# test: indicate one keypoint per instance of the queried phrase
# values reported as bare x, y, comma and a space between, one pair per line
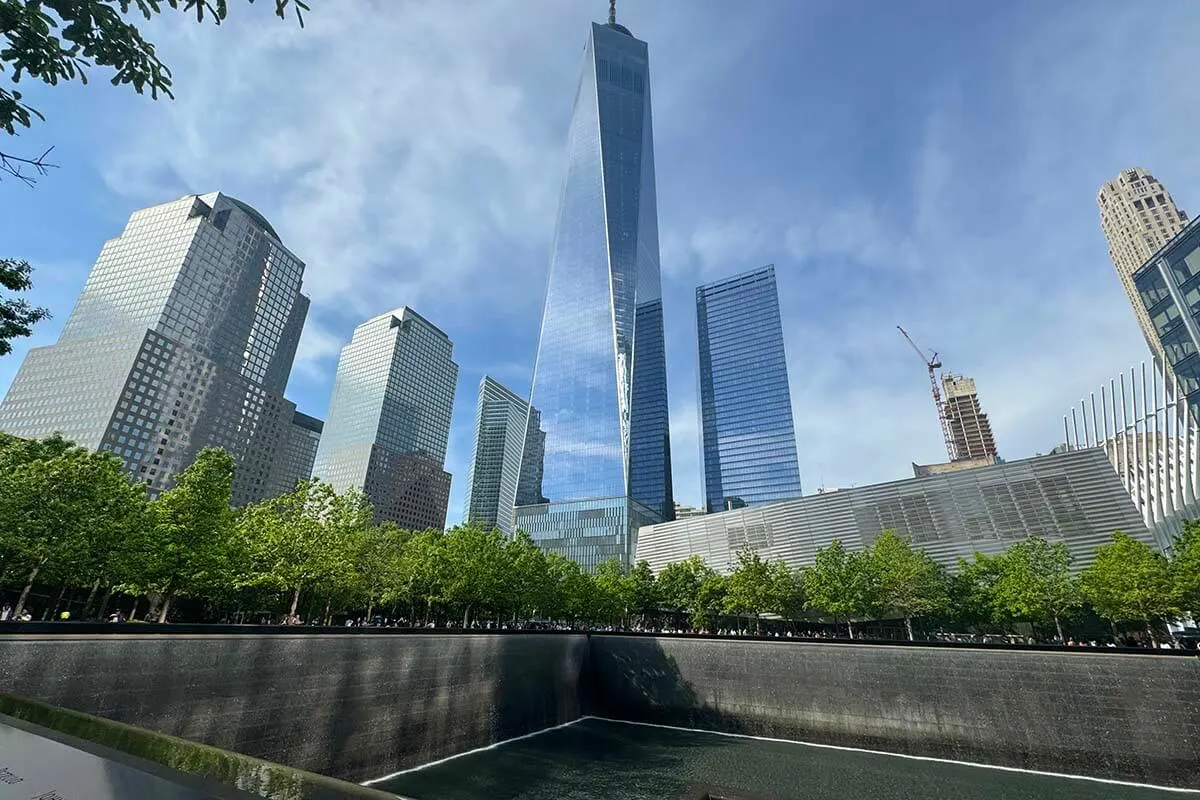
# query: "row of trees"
72, 519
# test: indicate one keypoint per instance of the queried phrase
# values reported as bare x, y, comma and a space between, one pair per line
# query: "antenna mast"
612, 12
932, 363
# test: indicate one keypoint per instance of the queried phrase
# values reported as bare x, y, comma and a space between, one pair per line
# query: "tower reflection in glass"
600, 375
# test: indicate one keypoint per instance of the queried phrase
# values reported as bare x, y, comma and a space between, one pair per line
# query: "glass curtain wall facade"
747, 433
1168, 285
504, 427
600, 374
388, 423
183, 338
298, 453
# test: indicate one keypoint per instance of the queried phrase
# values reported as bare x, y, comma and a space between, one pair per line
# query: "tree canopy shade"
1034, 582
17, 316
1185, 567
903, 580
1130, 582
838, 584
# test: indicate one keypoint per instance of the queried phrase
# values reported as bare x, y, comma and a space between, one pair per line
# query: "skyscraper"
600, 375
1138, 216
297, 453
183, 338
969, 426
747, 433
389, 419
505, 427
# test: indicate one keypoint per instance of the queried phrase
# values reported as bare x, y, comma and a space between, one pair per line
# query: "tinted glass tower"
600, 376
389, 419
748, 438
1168, 285
507, 436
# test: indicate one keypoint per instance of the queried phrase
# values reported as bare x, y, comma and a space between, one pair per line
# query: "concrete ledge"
273, 781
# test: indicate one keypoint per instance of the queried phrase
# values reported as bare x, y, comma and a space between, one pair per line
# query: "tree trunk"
1058, 624
328, 619
466, 615
850, 626
133, 611
908, 627
104, 603
87, 605
370, 608
154, 599
757, 625
295, 601
166, 606
25, 592
58, 601
1153, 635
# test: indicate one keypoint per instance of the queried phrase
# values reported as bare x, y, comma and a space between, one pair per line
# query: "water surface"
602, 759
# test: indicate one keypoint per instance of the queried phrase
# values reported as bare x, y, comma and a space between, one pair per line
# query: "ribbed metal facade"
1074, 497
1143, 423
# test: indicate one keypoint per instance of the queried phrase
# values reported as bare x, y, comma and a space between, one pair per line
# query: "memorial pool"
595, 758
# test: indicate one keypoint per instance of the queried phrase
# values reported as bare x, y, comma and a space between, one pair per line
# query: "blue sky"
928, 164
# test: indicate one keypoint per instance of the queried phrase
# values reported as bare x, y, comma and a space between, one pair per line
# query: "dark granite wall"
350, 706
1124, 716
362, 705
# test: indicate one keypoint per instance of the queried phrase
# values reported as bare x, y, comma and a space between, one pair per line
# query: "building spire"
612, 12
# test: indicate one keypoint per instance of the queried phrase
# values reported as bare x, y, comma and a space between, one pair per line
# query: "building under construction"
970, 430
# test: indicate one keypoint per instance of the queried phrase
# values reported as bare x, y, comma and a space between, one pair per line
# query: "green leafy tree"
58, 512
679, 584
57, 41
971, 591
749, 589
1185, 567
377, 561
787, 591
418, 579
17, 316
305, 539
1035, 583
474, 567
642, 590
906, 581
838, 583
573, 594
710, 600
1129, 581
614, 596
528, 590
193, 525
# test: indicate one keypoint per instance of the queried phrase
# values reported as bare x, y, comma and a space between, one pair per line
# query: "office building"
600, 375
1072, 497
1168, 286
746, 431
683, 512
388, 423
1138, 217
297, 453
504, 427
1144, 425
969, 427
182, 339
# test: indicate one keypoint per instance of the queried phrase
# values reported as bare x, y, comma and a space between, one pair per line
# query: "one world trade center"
600, 376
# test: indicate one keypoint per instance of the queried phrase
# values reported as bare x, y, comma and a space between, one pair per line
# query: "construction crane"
933, 363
